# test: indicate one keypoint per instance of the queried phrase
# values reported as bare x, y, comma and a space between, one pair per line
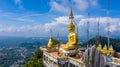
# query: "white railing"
115, 61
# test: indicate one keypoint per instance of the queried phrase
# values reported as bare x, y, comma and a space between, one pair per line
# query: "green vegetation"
103, 40
36, 60
55, 42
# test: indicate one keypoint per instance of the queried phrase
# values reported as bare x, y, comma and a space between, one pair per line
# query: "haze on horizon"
34, 18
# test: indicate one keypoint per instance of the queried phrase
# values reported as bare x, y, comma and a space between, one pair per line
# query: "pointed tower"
104, 50
99, 47
71, 14
111, 50
50, 43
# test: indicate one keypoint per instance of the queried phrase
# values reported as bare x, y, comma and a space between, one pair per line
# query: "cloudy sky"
35, 18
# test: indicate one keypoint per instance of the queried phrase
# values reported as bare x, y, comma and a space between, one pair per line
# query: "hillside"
36, 60
103, 40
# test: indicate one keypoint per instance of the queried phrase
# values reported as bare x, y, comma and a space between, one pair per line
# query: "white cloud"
19, 4
81, 4
58, 7
94, 2
113, 28
60, 25
78, 5
17, 1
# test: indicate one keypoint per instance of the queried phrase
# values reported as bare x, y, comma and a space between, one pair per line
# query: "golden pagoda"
111, 50
104, 50
50, 43
99, 47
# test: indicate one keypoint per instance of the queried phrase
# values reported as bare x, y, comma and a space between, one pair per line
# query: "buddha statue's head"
71, 27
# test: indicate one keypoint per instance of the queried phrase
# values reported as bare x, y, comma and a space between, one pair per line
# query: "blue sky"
34, 18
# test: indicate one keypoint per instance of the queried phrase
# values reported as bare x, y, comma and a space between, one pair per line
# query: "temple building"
64, 55
56, 54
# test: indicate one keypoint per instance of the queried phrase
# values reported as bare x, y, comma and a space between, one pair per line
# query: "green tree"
36, 60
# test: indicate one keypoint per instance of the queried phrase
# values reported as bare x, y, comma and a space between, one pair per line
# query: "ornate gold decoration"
111, 50
50, 43
104, 50
99, 47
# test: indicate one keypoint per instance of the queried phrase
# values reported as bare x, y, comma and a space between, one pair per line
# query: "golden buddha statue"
72, 37
104, 50
99, 47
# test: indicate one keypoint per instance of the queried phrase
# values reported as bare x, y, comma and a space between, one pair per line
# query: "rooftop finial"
71, 14
50, 34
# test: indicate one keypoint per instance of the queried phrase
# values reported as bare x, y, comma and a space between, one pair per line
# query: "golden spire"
71, 14
50, 43
111, 49
71, 25
104, 50
50, 34
99, 47
105, 47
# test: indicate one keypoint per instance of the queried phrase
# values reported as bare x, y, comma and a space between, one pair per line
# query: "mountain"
103, 40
